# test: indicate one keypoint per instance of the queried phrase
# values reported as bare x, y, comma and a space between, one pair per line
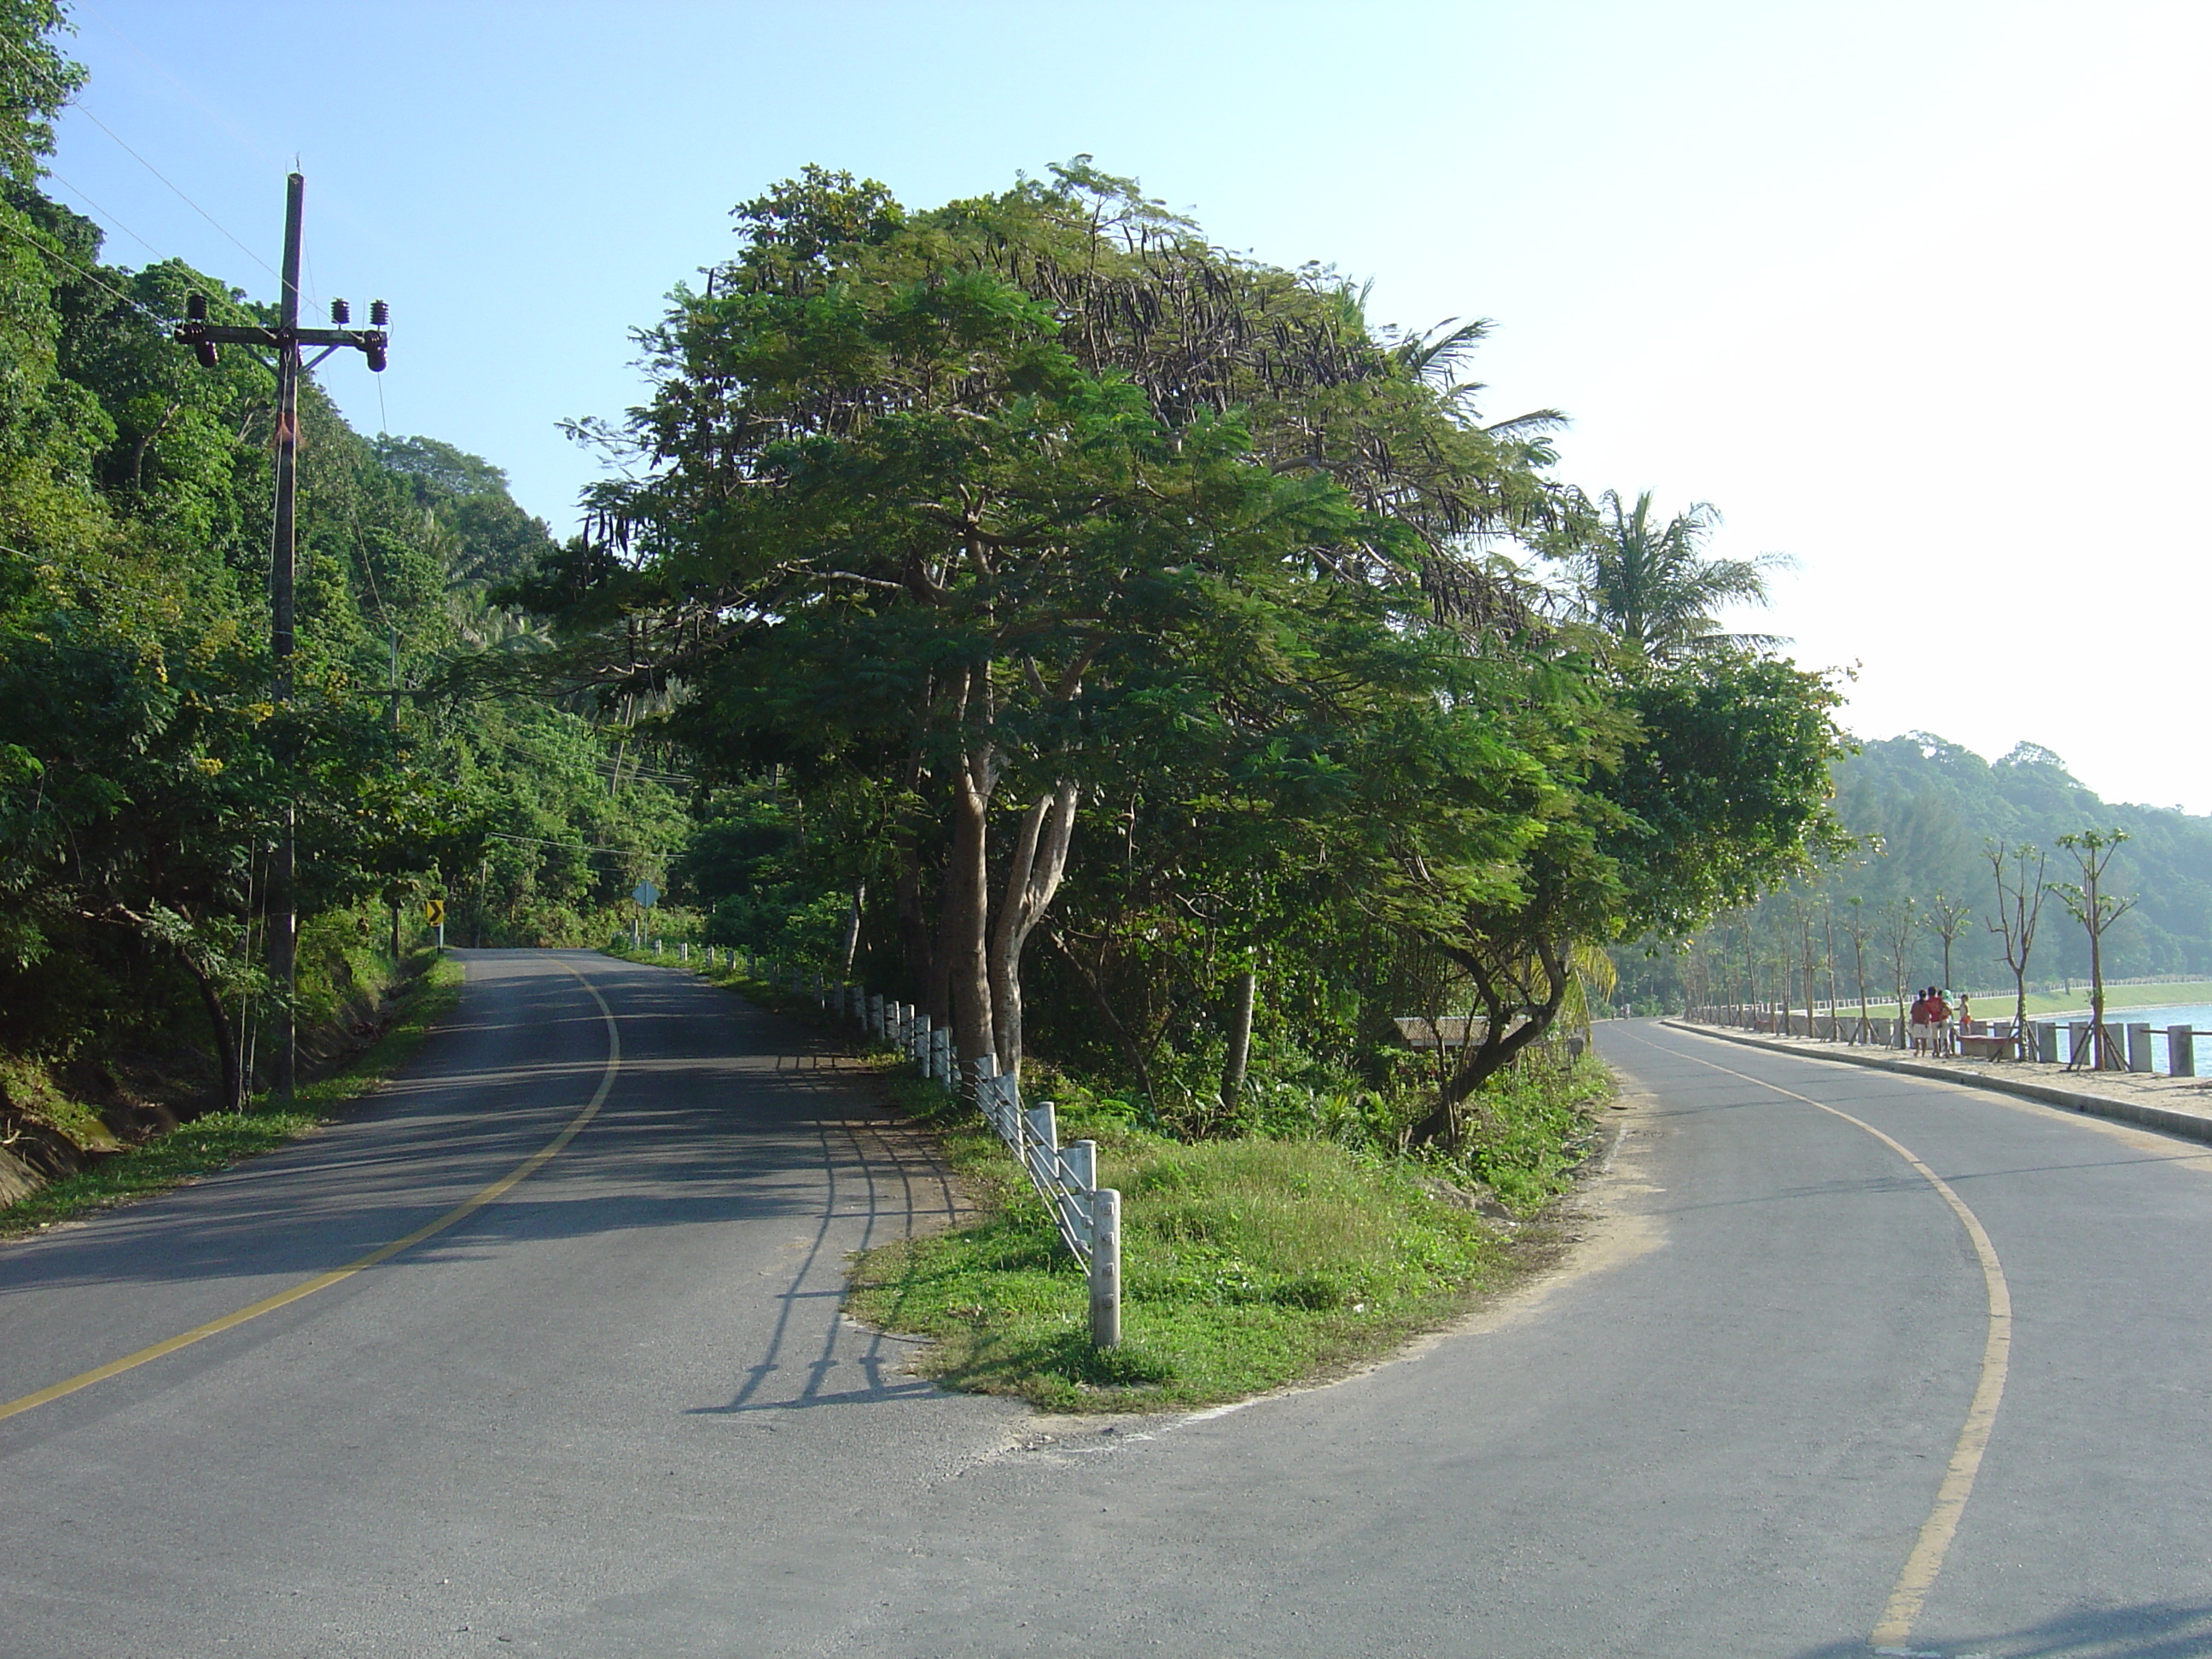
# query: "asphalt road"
615, 1411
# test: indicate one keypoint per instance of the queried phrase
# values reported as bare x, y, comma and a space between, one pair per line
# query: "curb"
2191, 1125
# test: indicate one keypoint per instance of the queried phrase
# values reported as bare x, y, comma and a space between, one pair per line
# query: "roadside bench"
1988, 1047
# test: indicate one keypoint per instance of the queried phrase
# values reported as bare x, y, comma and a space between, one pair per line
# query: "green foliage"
1534, 1130
750, 869
140, 737
1922, 813
1725, 793
35, 82
220, 1139
1031, 566
1651, 588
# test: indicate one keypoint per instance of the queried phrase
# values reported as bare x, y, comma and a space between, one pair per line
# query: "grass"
2116, 996
221, 1139
30, 1089
1534, 1130
1246, 1265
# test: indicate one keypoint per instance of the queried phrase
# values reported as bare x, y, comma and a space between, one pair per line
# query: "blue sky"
1912, 292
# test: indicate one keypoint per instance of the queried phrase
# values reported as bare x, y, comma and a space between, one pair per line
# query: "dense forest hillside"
140, 735
1925, 813
1933, 808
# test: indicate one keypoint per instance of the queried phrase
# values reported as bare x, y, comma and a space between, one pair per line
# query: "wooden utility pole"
285, 339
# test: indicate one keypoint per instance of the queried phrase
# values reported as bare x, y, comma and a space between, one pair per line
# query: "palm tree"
1652, 588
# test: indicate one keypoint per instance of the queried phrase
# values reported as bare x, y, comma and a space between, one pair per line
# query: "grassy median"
1246, 1264
223, 1139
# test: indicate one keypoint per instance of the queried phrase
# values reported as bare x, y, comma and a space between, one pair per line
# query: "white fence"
2136, 1046
1088, 1216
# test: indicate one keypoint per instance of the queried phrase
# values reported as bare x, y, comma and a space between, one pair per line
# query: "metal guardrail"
1089, 1216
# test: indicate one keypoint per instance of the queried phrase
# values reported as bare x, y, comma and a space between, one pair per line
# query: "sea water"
2197, 1015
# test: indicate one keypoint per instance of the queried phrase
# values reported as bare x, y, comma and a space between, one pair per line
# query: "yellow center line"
306, 1288
1926, 1561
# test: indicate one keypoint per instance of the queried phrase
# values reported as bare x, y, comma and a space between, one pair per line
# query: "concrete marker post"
1106, 1268
1080, 1159
1042, 1122
2139, 1059
2180, 1051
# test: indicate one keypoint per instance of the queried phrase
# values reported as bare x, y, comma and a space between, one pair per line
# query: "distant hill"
1927, 808
1934, 805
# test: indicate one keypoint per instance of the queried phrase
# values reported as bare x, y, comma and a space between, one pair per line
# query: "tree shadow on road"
2143, 1630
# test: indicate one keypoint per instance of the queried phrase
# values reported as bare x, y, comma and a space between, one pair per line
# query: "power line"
93, 276
78, 106
105, 214
205, 108
61, 259
603, 765
565, 846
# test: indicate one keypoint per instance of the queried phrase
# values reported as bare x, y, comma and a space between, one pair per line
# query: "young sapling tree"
2020, 908
2096, 910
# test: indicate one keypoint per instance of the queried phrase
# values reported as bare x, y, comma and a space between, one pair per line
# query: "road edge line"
1926, 1562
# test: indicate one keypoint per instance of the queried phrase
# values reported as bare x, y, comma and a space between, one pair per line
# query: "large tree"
1001, 509
1074, 576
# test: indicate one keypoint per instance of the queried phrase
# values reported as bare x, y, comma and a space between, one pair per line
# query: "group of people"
1931, 1022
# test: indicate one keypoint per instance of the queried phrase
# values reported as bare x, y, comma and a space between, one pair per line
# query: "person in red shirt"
1939, 1026
1919, 1024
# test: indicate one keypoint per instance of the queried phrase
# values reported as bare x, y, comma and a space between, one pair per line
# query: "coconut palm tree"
1652, 588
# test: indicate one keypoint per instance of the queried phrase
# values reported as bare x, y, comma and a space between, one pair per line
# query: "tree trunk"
851, 944
1442, 1124
2099, 1058
1034, 869
962, 941
1240, 1038
226, 1040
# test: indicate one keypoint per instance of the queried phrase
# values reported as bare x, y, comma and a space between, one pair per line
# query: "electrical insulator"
204, 350
375, 357
195, 307
379, 313
341, 312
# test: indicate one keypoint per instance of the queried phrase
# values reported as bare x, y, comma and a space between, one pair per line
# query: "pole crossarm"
362, 339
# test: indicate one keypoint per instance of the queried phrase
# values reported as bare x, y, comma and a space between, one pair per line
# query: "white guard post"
1088, 1216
